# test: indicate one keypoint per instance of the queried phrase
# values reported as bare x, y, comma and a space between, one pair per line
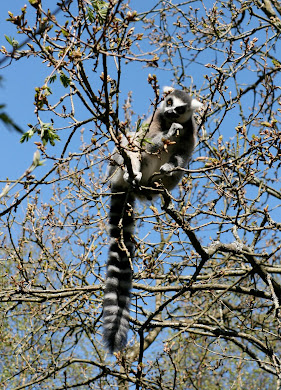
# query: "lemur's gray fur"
168, 143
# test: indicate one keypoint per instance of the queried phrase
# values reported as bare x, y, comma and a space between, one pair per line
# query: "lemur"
161, 146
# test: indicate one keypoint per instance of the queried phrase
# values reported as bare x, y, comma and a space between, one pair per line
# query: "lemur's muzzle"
171, 114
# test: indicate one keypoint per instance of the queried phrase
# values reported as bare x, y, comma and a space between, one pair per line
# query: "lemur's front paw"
137, 178
166, 169
175, 130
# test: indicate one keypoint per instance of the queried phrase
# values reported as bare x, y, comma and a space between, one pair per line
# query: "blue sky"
17, 92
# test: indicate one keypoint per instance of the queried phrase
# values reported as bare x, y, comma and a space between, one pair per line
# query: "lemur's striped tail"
119, 273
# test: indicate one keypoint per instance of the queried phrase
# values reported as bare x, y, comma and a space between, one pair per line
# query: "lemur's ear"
195, 104
168, 89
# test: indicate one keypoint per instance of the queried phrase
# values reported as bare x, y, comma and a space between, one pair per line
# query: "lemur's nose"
171, 113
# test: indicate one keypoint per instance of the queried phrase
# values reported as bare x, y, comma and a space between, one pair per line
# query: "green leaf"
65, 33
26, 136
65, 80
276, 63
45, 131
148, 141
47, 90
53, 78
267, 124
144, 126
138, 124
48, 134
90, 14
101, 9
35, 3
12, 41
8, 39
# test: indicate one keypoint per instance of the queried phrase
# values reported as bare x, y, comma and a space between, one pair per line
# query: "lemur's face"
178, 107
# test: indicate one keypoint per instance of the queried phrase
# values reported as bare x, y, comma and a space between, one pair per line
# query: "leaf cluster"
46, 133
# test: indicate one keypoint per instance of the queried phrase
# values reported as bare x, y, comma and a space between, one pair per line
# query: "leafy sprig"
44, 130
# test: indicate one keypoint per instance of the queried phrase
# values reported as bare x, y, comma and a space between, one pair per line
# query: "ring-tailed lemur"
166, 144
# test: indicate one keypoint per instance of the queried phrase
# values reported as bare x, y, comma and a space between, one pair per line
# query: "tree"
206, 298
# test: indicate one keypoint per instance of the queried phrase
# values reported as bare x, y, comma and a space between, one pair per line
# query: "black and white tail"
119, 272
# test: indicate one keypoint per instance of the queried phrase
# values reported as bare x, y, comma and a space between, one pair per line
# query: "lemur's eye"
180, 110
169, 102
